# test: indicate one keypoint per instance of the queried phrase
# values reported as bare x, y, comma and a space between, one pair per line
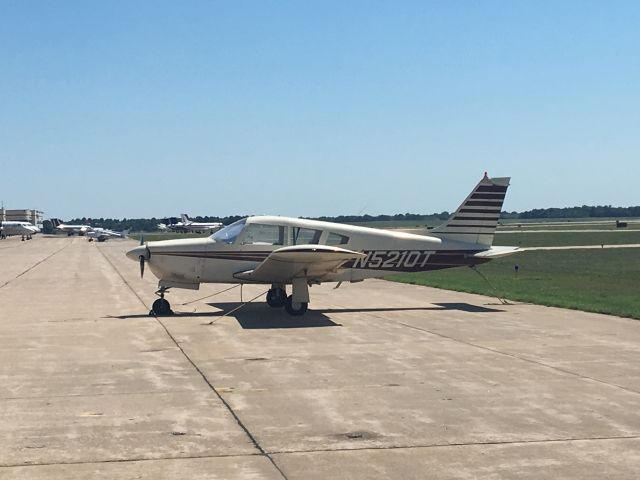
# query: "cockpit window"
259, 234
305, 236
337, 239
229, 233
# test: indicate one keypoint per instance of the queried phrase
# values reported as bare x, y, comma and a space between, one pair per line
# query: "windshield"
229, 233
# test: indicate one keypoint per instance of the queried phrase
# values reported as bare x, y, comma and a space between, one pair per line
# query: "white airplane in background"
102, 234
187, 225
199, 227
25, 229
71, 229
280, 251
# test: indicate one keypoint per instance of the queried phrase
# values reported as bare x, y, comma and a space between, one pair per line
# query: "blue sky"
136, 108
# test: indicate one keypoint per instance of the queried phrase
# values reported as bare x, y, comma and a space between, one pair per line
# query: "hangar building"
36, 217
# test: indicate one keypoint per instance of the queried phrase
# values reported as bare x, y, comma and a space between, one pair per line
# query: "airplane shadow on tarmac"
259, 316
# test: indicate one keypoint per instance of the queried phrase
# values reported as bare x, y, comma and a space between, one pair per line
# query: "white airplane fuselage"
206, 260
13, 228
74, 229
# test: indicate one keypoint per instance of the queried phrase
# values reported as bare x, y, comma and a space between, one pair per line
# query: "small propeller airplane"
103, 234
282, 252
187, 225
70, 229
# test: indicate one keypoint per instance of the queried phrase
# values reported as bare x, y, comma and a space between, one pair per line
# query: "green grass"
603, 281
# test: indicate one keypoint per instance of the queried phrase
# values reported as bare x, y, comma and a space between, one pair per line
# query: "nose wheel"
161, 306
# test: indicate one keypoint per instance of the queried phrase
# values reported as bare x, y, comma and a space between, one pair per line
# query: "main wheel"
276, 297
294, 308
161, 307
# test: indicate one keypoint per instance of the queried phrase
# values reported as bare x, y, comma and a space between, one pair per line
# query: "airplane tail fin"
185, 218
55, 222
475, 221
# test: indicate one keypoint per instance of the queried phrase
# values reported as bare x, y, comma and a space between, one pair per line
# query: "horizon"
426, 215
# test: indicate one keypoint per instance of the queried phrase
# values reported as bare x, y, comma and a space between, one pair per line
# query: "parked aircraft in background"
199, 227
102, 234
189, 226
280, 251
11, 228
70, 229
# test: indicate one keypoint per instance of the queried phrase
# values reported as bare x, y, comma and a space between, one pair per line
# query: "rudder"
475, 221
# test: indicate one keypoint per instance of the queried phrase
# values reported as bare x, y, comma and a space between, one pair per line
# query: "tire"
161, 307
276, 298
295, 309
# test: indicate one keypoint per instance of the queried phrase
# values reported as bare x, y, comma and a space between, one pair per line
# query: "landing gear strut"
161, 306
276, 296
297, 303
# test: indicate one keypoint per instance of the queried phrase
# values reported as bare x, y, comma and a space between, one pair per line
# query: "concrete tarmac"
378, 380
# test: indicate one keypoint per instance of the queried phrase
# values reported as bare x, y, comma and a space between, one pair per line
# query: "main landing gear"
161, 306
277, 298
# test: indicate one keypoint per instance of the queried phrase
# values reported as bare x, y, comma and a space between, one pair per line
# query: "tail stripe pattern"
476, 219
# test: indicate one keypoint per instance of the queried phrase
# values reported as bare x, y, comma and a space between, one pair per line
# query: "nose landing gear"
161, 306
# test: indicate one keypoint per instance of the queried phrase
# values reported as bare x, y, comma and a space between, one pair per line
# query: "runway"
378, 380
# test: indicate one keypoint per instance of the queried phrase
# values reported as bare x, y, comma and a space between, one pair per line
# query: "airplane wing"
299, 261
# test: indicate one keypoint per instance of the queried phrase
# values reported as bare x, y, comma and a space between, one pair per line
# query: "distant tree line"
384, 218
585, 211
151, 224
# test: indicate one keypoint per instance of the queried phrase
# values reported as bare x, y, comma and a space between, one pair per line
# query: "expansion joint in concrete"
204, 377
462, 444
35, 265
523, 359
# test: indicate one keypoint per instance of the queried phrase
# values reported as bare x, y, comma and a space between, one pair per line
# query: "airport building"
36, 217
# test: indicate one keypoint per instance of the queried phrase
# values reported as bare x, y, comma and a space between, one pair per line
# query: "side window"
258, 234
305, 236
336, 239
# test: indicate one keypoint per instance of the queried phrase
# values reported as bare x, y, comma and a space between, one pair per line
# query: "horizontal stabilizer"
495, 252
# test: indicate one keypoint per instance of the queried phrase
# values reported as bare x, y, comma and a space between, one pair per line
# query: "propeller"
145, 257
142, 259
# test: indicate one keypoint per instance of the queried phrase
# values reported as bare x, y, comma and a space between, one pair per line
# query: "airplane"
282, 252
187, 225
71, 229
199, 227
24, 229
102, 234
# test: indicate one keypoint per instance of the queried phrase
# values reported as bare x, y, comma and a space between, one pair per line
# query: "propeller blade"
142, 260
141, 239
